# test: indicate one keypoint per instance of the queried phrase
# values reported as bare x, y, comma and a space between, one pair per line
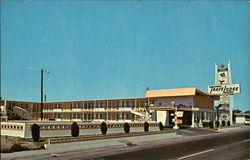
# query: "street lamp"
42, 71
175, 116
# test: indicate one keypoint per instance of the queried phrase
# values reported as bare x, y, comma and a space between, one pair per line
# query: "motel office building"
197, 106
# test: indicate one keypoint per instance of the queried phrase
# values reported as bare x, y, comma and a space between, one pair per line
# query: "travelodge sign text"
224, 89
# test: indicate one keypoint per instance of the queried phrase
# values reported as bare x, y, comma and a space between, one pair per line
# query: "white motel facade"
196, 105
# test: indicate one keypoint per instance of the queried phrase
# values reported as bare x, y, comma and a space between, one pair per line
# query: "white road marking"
195, 154
246, 140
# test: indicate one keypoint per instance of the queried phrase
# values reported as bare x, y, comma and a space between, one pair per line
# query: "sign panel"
179, 121
222, 76
224, 89
179, 113
224, 117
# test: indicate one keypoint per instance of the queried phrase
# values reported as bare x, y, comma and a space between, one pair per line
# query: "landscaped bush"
17, 147
228, 123
146, 126
223, 123
104, 128
74, 129
5, 150
35, 132
217, 123
204, 124
211, 124
126, 127
161, 127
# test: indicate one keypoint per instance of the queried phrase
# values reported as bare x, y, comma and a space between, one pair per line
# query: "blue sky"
115, 49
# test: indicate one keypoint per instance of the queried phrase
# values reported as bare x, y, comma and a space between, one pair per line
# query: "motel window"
103, 116
132, 104
79, 116
9, 106
59, 115
90, 116
128, 116
79, 105
127, 104
24, 106
202, 115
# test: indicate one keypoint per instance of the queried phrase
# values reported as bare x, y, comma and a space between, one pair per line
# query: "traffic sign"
179, 113
179, 121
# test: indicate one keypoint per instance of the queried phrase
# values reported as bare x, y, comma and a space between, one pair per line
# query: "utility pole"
41, 108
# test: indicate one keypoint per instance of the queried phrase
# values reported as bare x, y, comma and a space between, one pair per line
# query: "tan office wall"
203, 101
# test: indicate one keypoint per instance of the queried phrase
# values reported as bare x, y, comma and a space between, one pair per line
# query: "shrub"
217, 123
5, 150
161, 127
228, 123
104, 128
146, 126
223, 123
204, 124
35, 131
126, 127
74, 129
17, 147
211, 124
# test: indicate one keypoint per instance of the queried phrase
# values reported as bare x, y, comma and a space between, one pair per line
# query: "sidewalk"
89, 145
230, 128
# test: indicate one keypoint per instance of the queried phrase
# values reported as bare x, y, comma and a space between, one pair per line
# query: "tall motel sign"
226, 89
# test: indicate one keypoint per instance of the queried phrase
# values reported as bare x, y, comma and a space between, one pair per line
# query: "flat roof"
175, 92
149, 94
242, 114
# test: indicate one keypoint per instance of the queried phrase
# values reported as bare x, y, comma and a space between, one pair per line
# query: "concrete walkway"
230, 128
88, 145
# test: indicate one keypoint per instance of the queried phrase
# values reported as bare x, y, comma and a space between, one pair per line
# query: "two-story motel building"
197, 106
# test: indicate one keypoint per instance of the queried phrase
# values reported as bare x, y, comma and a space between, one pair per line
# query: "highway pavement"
198, 144
191, 143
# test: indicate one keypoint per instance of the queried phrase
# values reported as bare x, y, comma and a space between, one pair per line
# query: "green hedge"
74, 129
35, 132
223, 123
17, 147
161, 127
104, 128
146, 126
126, 127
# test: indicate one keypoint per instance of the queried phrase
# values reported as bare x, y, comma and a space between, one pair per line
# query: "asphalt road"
234, 145
194, 144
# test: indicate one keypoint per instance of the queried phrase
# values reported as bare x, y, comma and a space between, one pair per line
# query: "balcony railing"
114, 109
